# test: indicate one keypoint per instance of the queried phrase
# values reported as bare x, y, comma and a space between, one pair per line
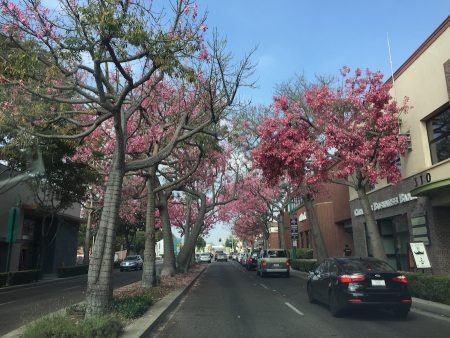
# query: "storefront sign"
420, 255
302, 216
401, 198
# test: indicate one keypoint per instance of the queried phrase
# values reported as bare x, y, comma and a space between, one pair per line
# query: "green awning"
432, 188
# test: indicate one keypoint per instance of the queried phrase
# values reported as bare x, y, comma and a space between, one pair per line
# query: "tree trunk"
87, 236
149, 270
317, 234
372, 228
281, 231
99, 288
186, 251
169, 264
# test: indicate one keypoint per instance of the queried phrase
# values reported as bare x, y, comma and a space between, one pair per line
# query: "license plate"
377, 282
276, 265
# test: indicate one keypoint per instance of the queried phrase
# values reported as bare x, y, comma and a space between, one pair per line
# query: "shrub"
304, 253
57, 326
22, 277
430, 287
132, 306
19, 277
3, 278
304, 264
67, 271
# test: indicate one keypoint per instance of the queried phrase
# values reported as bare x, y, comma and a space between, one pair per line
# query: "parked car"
205, 257
239, 257
244, 258
234, 256
354, 282
252, 260
221, 256
273, 261
197, 258
132, 263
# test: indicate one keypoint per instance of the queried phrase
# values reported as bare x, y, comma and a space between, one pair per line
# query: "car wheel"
401, 313
335, 307
311, 298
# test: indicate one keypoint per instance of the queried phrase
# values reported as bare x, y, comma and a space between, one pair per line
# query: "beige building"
418, 209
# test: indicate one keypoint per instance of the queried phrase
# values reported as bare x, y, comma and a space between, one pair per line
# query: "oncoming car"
205, 257
221, 256
134, 262
356, 282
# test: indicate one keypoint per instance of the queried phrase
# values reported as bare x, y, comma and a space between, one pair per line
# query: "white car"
205, 257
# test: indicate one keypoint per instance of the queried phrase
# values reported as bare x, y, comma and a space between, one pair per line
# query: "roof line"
423, 47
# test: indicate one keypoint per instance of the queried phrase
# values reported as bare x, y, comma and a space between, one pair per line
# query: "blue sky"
319, 37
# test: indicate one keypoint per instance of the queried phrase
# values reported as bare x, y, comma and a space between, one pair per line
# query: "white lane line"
294, 309
73, 287
13, 301
265, 287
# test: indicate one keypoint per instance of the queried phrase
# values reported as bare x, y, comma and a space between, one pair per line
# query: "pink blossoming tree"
350, 135
99, 61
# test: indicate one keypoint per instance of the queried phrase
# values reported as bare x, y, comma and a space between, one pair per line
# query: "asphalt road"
229, 301
19, 306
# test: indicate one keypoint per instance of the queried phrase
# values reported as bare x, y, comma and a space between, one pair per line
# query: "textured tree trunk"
169, 264
186, 251
372, 228
281, 231
149, 271
315, 227
99, 288
87, 235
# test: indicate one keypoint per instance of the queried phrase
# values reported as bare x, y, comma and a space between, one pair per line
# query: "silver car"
205, 257
134, 262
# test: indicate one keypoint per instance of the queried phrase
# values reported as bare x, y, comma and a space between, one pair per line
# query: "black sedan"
352, 282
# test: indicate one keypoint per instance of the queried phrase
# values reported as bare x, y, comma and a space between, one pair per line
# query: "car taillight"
400, 279
355, 300
250, 260
263, 263
287, 263
350, 278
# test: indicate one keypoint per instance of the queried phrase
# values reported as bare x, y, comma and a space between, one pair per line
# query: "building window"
438, 128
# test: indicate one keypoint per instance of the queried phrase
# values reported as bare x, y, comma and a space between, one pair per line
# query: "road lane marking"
265, 287
294, 309
73, 287
13, 301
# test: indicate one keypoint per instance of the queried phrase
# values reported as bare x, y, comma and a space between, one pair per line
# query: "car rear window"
276, 253
363, 266
205, 254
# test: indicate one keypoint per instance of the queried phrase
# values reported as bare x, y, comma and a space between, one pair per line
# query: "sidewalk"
417, 303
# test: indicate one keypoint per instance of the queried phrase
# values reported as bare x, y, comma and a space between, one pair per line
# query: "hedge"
19, 277
304, 253
67, 271
304, 264
430, 287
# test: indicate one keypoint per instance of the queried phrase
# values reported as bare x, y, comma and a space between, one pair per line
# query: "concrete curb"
417, 303
157, 312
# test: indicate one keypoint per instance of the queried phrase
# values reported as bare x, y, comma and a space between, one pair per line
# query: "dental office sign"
401, 198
